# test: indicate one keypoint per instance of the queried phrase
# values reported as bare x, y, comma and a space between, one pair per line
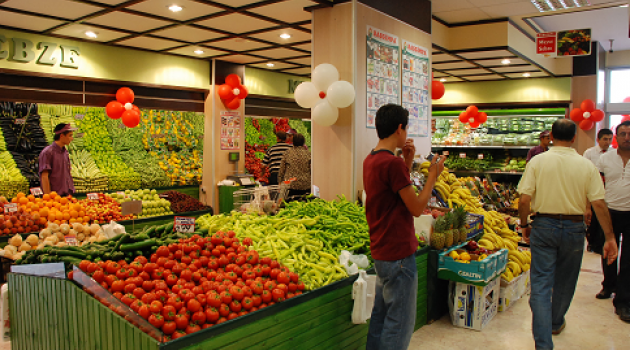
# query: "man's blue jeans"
557, 247
394, 313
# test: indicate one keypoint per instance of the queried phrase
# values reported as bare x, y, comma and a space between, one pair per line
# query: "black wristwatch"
525, 226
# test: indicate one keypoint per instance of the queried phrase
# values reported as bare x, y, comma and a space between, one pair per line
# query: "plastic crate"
475, 223
479, 273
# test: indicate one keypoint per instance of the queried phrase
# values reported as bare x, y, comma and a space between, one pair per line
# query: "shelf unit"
486, 172
485, 147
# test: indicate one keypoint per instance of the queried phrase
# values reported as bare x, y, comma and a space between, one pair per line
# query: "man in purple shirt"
54, 163
543, 147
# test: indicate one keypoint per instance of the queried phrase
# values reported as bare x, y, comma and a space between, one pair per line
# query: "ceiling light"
556, 5
527, 75
506, 61
91, 34
285, 36
175, 8
626, 5
443, 80
199, 52
270, 64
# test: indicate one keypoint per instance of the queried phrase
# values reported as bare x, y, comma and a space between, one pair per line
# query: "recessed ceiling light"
443, 80
270, 64
199, 52
91, 34
527, 75
506, 61
175, 8
556, 5
285, 36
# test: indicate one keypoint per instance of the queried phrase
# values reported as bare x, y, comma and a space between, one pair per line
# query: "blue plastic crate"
479, 273
475, 222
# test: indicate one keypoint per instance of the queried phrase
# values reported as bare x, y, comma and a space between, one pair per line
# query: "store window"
615, 119
619, 87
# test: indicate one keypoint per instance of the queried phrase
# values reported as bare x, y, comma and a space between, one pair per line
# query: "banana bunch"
424, 167
519, 262
451, 190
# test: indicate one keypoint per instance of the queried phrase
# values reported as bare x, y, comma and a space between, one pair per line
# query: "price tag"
433, 202
446, 153
316, 191
131, 207
79, 135
121, 125
92, 196
79, 116
506, 203
184, 224
157, 136
163, 195
36, 191
20, 121
10, 208
71, 241
462, 155
480, 156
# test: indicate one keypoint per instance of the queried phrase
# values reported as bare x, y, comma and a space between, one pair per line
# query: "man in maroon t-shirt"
391, 203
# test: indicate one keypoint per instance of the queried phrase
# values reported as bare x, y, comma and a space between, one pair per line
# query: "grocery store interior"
173, 234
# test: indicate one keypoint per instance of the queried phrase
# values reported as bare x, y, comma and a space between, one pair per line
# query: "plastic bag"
363, 291
352, 263
112, 229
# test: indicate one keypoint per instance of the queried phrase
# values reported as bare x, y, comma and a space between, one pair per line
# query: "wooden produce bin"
48, 313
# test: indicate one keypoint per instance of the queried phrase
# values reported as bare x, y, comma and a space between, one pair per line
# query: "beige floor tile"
591, 323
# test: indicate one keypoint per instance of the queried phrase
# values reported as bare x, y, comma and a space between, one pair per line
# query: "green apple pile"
152, 204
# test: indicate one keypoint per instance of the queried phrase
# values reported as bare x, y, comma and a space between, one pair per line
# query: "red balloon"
125, 95
586, 124
233, 104
614, 142
625, 118
233, 80
463, 117
135, 108
474, 124
243, 92
131, 118
114, 109
437, 90
597, 116
577, 115
588, 105
482, 117
472, 111
225, 92
626, 100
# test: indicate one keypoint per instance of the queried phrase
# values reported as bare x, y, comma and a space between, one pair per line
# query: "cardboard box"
472, 306
512, 291
479, 273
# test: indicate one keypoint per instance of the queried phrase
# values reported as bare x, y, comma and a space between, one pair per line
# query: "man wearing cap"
543, 147
54, 163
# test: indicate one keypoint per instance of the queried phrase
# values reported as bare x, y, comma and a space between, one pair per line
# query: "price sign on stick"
131, 207
462, 155
71, 241
92, 196
36, 191
445, 153
184, 224
10, 208
480, 156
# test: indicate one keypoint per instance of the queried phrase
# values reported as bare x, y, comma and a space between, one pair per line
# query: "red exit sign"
546, 43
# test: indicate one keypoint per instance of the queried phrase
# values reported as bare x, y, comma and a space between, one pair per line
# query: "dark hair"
626, 123
603, 132
57, 128
298, 140
281, 135
388, 118
563, 130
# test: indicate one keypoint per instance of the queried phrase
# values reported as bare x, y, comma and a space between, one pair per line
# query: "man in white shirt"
613, 166
594, 236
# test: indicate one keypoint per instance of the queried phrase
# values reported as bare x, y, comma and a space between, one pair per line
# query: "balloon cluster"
437, 90
123, 107
587, 115
232, 92
325, 94
473, 117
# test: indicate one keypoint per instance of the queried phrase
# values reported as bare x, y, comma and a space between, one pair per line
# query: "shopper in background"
54, 163
297, 164
594, 235
557, 185
542, 147
613, 165
290, 135
391, 203
274, 156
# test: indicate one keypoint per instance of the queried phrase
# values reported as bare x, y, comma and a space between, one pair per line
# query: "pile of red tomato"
197, 283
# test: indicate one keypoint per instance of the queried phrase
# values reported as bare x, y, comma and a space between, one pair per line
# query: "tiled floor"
591, 324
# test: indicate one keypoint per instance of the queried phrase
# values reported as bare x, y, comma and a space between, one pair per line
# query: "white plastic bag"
353, 263
363, 291
112, 229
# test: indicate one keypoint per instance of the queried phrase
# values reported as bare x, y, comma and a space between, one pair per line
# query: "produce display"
471, 252
183, 167
181, 202
50, 208
103, 210
449, 229
152, 204
12, 181
86, 175
51, 115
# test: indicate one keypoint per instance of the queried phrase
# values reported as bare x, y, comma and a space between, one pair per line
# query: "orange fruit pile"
52, 207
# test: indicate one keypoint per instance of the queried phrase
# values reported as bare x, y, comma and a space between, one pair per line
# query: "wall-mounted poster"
383, 71
415, 88
230, 130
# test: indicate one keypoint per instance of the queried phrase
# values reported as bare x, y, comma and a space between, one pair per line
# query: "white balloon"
324, 75
340, 94
324, 114
236, 92
306, 95
128, 106
587, 115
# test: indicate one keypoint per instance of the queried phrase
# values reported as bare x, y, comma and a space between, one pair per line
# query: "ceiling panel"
190, 9
279, 53
460, 64
467, 15
276, 65
286, 11
532, 75
450, 5
305, 61
78, 31
464, 72
516, 69
128, 21
236, 3
307, 47
110, 2
442, 58
437, 74
481, 3
242, 59
149, 43
486, 54
238, 44
18, 20
236, 23
451, 80
189, 34
485, 77
274, 36
300, 71
307, 26
497, 62
511, 9
58, 8
190, 51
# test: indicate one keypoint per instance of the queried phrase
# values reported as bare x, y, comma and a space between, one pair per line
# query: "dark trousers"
292, 194
620, 280
595, 235
273, 178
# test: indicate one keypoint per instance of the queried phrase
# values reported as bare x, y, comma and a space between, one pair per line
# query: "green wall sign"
44, 53
293, 84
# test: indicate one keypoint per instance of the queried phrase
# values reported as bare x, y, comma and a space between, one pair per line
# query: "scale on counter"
240, 179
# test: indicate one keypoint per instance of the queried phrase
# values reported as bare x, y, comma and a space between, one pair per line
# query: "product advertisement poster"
415, 88
230, 130
383, 71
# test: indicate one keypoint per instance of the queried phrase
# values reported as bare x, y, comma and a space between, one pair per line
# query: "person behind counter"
543, 147
54, 163
297, 164
274, 156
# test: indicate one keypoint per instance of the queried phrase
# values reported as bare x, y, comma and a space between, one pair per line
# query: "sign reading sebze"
45, 53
